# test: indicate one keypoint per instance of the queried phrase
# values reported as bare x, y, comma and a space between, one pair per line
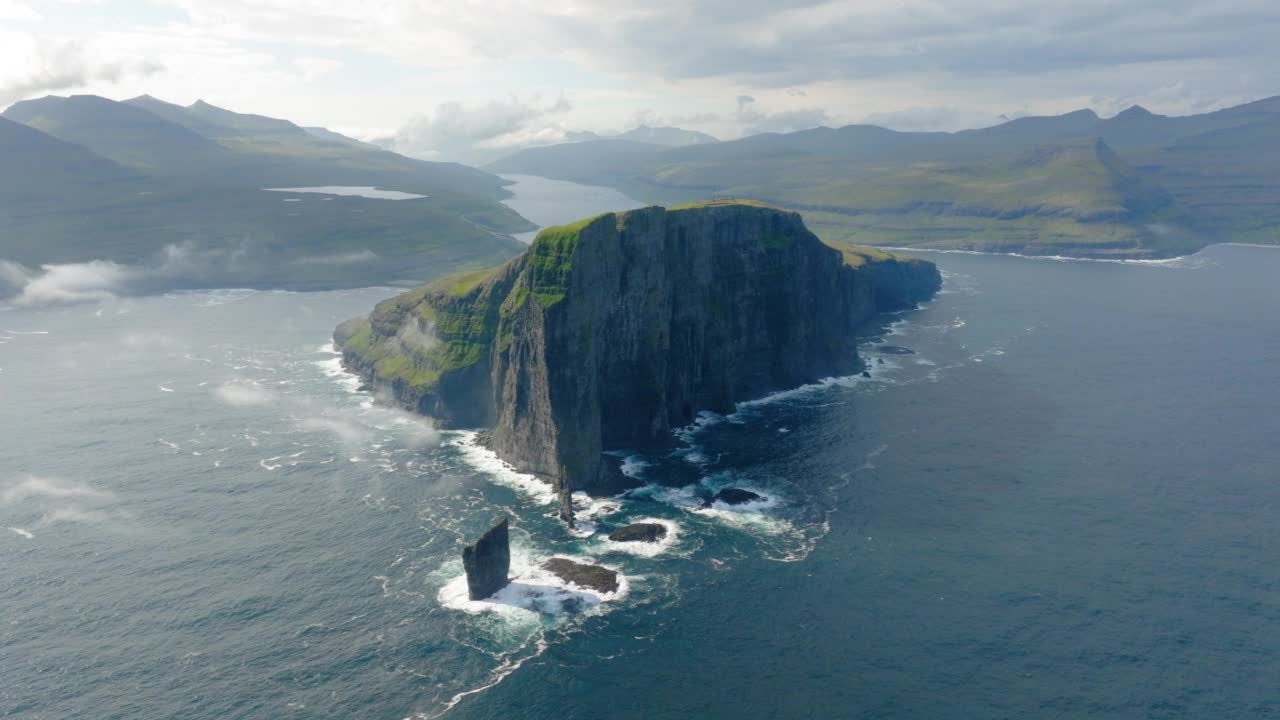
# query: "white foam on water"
166, 389
214, 298
497, 675
533, 594
846, 381
162, 441
28, 332
705, 419
487, 462
749, 518
680, 497
643, 549
633, 466
24, 533
333, 369
588, 510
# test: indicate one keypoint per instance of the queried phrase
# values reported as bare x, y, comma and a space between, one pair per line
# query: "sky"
493, 74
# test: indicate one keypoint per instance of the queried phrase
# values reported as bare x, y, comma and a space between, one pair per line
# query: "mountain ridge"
876, 186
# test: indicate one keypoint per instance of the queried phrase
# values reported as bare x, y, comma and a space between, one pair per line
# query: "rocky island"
610, 332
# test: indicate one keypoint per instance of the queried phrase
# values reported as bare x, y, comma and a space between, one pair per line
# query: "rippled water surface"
1061, 505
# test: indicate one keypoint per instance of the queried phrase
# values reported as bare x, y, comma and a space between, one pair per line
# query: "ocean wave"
334, 370
534, 593
487, 462
643, 549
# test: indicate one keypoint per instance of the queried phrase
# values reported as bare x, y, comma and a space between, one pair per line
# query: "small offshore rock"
866, 374
566, 506
365, 387
733, 496
488, 561
595, 577
639, 532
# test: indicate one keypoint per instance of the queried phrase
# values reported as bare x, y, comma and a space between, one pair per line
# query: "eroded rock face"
639, 532
615, 330
488, 561
733, 496
595, 577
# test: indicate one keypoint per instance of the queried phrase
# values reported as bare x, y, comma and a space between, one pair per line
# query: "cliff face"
611, 332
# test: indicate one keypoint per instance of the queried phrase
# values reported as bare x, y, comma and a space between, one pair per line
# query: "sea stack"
610, 332
487, 562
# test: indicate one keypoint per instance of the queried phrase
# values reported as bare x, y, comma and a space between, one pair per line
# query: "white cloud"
346, 431
78, 282
13, 11
32, 64
454, 130
371, 64
753, 120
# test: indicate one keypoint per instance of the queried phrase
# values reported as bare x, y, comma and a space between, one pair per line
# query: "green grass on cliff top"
551, 259
724, 202
459, 284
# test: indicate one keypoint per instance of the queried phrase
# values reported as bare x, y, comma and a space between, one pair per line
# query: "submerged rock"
733, 496
639, 532
595, 577
488, 561
895, 350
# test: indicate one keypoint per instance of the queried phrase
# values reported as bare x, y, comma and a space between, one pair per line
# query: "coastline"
1070, 258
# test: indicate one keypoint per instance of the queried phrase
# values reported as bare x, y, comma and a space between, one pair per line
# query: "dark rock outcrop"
639, 532
595, 577
733, 496
488, 561
565, 512
613, 331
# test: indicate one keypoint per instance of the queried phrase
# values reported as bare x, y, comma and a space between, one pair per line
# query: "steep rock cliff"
613, 331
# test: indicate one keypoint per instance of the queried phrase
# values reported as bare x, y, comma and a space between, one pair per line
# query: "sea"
1056, 496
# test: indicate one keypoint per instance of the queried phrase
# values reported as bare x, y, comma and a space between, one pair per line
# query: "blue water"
350, 191
1063, 505
556, 202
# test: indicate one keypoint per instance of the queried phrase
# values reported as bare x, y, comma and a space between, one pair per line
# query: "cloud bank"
456, 131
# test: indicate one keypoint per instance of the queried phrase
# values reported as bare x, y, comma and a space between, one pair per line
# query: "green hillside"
89, 178
1134, 185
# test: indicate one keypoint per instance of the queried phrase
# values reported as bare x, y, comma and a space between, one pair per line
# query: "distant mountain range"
144, 181
1131, 186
